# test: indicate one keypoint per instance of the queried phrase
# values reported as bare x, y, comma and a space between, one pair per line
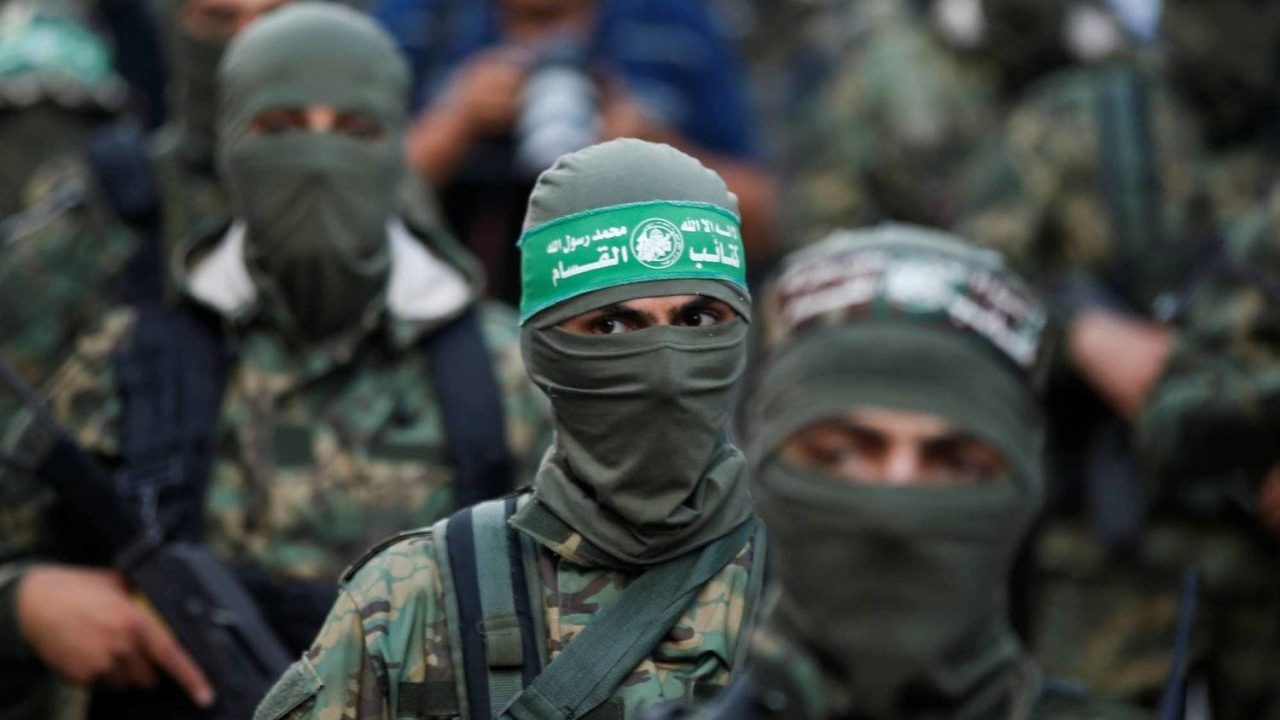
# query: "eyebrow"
621, 312
698, 303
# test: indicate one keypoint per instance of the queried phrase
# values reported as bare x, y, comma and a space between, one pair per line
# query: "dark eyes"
610, 326
686, 317
698, 317
277, 122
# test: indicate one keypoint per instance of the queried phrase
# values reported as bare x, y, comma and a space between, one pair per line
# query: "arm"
483, 99
387, 632
1119, 356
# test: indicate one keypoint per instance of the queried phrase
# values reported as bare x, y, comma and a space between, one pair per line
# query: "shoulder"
406, 554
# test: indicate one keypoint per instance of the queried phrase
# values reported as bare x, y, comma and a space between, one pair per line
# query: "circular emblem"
657, 243
921, 285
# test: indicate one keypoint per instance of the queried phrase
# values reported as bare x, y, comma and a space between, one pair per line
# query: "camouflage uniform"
1104, 608
890, 134
322, 453
1209, 433
909, 102
385, 650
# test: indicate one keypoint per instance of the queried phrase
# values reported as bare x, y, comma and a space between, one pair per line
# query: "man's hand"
85, 625
487, 91
1269, 500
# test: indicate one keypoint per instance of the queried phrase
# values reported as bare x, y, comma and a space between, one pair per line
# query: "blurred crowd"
273, 287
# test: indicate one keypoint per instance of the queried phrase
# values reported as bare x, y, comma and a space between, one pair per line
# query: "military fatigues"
385, 650
1106, 587
1209, 432
320, 453
891, 134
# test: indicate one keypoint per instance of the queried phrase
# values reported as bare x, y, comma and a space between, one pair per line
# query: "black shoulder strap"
121, 160
171, 374
461, 372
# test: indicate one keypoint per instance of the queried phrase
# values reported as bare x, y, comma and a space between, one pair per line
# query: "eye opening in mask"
686, 311
223, 19
889, 447
316, 119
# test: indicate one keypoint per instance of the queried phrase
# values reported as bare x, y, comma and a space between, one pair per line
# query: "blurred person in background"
1209, 438
919, 87
1108, 190
96, 223
57, 83
297, 403
894, 432
629, 574
506, 86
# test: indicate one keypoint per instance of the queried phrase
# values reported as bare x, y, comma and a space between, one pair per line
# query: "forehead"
891, 421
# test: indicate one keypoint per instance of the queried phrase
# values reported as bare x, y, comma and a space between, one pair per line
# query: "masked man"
895, 439
629, 573
329, 377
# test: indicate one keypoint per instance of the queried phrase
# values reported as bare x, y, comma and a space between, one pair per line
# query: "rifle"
201, 601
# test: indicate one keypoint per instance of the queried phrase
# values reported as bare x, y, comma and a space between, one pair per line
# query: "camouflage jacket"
1097, 173
890, 137
64, 257
321, 452
1215, 412
385, 649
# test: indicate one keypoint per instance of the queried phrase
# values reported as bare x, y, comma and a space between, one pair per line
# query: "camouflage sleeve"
527, 409
82, 396
384, 650
1216, 408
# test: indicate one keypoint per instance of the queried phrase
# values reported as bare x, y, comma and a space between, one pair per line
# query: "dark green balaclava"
899, 593
641, 466
193, 83
316, 205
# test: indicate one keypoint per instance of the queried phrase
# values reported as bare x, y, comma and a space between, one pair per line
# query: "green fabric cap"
624, 244
291, 58
618, 175
913, 277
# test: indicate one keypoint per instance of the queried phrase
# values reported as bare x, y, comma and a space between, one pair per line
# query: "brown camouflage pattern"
389, 629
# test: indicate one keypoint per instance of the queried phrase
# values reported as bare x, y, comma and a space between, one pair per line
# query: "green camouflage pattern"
1041, 194
1104, 619
890, 137
388, 633
1208, 433
62, 255
320, 457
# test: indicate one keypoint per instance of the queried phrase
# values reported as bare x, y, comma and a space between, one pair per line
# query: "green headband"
623, 244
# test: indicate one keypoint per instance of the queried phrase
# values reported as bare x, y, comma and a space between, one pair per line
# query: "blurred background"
1120, 153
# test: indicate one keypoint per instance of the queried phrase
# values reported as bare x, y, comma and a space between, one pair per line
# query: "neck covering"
899, 593
641, 466
316, 204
